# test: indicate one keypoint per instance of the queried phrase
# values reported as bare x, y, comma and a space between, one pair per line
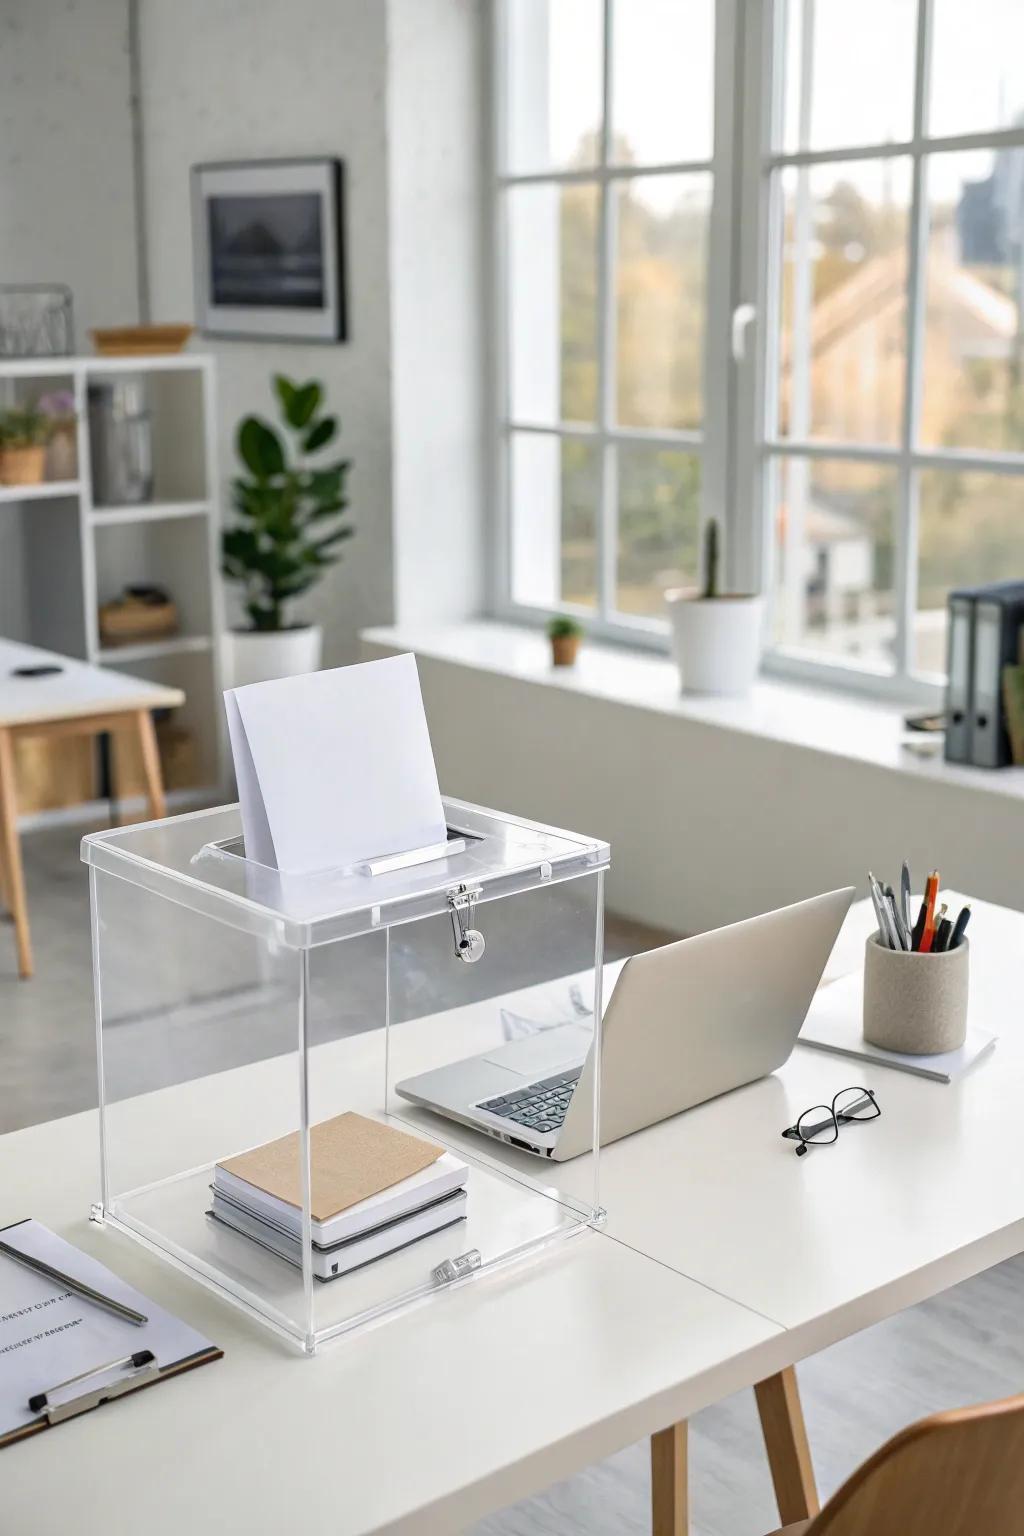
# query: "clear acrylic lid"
198, 861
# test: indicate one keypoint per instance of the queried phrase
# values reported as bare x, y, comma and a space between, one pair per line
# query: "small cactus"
710, 589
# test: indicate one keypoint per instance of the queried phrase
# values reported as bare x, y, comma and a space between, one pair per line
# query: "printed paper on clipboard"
49, 1334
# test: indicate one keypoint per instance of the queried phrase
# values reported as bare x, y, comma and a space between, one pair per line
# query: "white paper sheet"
335, 767
835, 1023
47, 1333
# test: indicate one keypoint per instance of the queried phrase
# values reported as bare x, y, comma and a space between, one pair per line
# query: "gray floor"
964, 1346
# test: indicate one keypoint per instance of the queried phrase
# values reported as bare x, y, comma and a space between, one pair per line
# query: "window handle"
743, 317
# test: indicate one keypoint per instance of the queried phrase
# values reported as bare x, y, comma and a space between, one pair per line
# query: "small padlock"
471, 945
469, 941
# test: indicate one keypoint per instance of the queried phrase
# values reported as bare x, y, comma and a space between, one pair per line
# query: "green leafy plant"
289, 510
711, 553
25, 428
562, 628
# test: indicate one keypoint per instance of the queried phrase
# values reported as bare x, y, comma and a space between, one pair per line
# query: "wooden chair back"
955, 1474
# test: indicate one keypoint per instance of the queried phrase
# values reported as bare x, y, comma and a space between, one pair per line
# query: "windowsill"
818, 719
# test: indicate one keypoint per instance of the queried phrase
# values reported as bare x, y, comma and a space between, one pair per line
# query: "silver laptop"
683, 1024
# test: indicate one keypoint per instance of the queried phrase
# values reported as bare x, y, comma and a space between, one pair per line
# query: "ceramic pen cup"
915, 1003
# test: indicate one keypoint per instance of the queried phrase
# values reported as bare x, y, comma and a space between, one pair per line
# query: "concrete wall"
67, 202
250, 79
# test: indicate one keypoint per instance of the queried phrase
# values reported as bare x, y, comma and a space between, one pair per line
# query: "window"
867, 452
605, 196
894, 340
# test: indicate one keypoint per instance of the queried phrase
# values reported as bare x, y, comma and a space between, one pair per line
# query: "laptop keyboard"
541, 1107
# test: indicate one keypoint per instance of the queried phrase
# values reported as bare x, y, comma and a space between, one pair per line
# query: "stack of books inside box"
373, 1189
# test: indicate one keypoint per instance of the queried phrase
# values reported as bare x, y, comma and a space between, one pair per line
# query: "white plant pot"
716, 641
257, 656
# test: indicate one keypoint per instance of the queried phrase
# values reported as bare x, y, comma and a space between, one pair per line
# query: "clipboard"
60, 1354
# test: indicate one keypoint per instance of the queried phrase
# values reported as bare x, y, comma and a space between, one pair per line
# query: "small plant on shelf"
24, 434
565, 635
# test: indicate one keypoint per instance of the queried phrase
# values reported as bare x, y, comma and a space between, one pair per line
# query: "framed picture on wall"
268, 242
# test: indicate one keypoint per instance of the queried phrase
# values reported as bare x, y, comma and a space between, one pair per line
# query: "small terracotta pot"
564, 649
23, 466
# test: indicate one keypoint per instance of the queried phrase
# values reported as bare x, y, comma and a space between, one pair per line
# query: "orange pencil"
931, 891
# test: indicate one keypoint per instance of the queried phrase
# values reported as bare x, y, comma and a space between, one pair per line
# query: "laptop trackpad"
543, 1052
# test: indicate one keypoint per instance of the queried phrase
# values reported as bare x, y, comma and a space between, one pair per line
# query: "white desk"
80, 699
420, 1426
896, 1211
931, 1192
407, 1418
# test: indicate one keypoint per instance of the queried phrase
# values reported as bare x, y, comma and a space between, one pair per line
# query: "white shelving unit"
64, 555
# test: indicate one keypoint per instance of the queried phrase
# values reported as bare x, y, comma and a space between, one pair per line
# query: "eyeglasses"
819, 1125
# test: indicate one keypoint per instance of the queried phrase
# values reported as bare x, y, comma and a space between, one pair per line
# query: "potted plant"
287, 527
58, 406
565, 635
24, 433
716, 636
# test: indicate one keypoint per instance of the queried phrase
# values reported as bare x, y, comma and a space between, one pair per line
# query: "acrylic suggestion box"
314, 1019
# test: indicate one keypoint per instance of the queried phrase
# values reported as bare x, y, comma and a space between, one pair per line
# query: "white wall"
250, 79
67, 203
437, 127
395, 89
707, 825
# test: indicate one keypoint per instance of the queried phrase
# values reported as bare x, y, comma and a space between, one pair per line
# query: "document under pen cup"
915, 1003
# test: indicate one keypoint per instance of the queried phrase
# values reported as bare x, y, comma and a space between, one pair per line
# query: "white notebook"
412, 1194
341, 1258
835, 1023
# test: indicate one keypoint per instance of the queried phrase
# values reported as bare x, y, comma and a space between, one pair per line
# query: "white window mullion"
906, 534
754, 394
500, 523
717, 498
607, 509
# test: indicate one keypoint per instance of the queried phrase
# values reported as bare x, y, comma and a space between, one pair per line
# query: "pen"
943, 929
78, 1286
882, 913
931, 892
905, 896
897, 921
873, 889
961, 924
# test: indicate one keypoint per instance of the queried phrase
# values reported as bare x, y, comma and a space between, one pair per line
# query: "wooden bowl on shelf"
143, 613
141, 340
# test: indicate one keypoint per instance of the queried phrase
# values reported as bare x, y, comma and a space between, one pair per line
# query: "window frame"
736, 448
710, 444
757, 447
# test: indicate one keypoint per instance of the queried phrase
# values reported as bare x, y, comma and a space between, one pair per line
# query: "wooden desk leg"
14, 875
151, 764
669, 1496
785, 1440
5, 887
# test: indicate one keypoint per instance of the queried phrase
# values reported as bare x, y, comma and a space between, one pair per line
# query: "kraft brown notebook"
350, 1159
